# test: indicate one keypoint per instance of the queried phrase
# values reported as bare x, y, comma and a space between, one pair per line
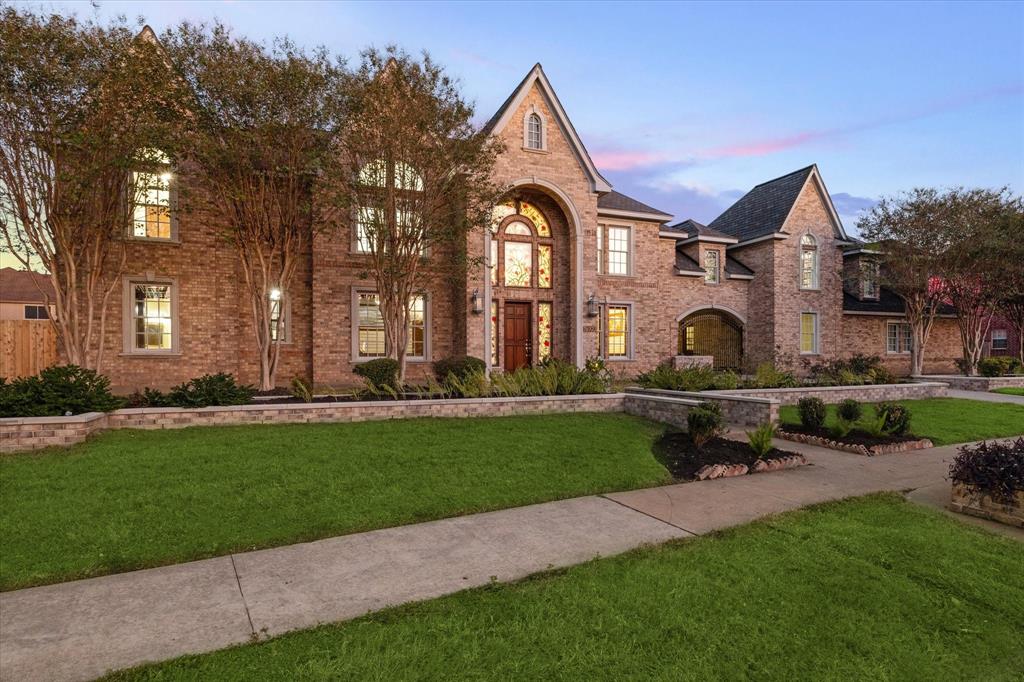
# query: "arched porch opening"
712, 332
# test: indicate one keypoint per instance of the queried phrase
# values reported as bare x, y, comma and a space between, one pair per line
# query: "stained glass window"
494, 333
618, 250
518, 264
152, 213
152, 313
543, 331
518, 228
500, 212
618, 330
493, 265
534, 214
808, 332
544, 266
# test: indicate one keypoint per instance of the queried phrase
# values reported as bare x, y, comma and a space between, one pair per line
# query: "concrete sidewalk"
81, 629
987, 397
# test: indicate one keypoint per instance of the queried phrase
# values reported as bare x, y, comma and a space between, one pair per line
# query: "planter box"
967, 499
976, 383
869, 450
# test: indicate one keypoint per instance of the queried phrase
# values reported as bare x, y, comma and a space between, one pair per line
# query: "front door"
517, 336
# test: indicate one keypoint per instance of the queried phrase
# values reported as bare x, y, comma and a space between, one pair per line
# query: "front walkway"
81, 629
987, 397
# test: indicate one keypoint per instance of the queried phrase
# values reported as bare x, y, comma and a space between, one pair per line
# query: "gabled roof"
501, 118
763, 210
686, 265
699, 232
22, 286
618, 202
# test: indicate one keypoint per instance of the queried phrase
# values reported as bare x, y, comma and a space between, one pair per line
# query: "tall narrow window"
618, 250
494, 333
493, 265
869, 279
534, 132
152, 212
151, 311
277, 317
600, 249
617, 342
808, 333
808, 262
711, 267
544, 266
543, 331
417, 345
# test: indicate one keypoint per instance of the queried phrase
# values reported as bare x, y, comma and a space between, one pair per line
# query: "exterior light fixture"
591, 306
477, 303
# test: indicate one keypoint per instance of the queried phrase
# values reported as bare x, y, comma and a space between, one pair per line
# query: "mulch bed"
856, 441
719, 458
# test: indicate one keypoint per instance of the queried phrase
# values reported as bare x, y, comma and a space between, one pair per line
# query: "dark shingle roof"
21, 286
888, 302
617, 201
763, 210
734, 267
695, 229
686, 264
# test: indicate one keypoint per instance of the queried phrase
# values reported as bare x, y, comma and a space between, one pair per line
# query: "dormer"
861, 272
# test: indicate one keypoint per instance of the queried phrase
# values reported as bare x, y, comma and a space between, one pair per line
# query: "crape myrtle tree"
1008, 244
418, 179
79, 111
261, 147
904, 228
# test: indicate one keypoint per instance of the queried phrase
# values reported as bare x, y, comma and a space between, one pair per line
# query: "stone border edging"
880, 449
712, 471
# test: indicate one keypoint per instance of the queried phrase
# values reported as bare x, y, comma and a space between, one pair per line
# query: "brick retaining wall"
672, 407
32, 433
961, 383
835, 394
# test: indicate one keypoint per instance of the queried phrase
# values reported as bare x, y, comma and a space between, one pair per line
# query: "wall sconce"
477, 303
591, 306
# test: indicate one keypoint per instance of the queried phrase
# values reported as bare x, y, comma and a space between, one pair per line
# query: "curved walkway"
987, 397
82, 629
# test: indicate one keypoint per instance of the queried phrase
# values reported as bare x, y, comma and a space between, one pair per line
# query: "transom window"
152, 314
370, 327
869, 279
898, 338
711, 267
521, 251
808, 262
808, 333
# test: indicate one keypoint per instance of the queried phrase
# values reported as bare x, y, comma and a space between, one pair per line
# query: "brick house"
569, 268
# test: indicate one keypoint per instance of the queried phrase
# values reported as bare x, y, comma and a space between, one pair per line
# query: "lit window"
536, 217
543, 331
617, 341
277, 322
600, 249
808, 333
534, 132
711, 267
371, 226
152, 213
417, 343
898, 338
152, 316
493, 265
518, 228
518, 264
618, 250
494, 333
36, 312
544, 266
999, 339
370, 331
808, 262
869, 279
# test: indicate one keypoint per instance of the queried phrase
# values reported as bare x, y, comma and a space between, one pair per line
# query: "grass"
1009, 391
874, 589
132, 499
944, 420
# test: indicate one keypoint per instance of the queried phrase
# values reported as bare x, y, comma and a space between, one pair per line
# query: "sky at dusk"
687, 106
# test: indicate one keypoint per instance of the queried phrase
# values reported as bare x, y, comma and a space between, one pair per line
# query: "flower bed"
718, 458
856, 441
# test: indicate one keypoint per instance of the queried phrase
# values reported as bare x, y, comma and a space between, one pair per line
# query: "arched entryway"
715, 333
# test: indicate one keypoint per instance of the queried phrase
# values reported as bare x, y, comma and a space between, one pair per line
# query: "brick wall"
866, 334
984, 384
737, 410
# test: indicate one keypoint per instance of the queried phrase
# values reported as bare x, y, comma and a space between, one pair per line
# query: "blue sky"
687, 106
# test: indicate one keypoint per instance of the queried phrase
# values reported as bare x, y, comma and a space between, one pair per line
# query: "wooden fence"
26, 346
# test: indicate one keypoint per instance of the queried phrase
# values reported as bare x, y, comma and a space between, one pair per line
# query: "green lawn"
945, 420
1009, 391
132, 499
868, 589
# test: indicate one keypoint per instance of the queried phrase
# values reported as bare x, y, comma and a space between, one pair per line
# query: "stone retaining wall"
959, 382
672, 407
836, 394
31, 433
968, 499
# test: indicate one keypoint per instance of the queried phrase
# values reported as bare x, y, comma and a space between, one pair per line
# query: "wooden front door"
518, 336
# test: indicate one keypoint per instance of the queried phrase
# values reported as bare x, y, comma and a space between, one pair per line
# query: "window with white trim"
371, 225
600, 249
534, 132
808, 262
152, 317
617, 332
869, 279
151, 215
711, 267
808, 333
898, 338
1000, 339
370, 327
37, 312
618, 250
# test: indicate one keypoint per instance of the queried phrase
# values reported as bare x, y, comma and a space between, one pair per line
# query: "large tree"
78, 112
904, 228
1008, 245
419, 179
261, 148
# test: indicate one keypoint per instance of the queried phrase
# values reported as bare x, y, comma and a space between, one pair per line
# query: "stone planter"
968, 499
869, 450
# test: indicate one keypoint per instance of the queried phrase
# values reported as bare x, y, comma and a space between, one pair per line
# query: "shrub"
999, 366
209, 390
849, 410
149, 397
760, 439
704, 423
56, 391
472, 385
895, 418
459, 365
302, 390
994, 468
858, 369
554, 377
812, 412
380, 373
767, 376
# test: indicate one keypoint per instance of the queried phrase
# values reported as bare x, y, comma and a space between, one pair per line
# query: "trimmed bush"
459, 365
380, 373
998, 366
895, 418
56, 391
849, 410
211, 390
994, 468
704, 423
812, 412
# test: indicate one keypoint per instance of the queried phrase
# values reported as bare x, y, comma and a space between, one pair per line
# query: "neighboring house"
1002, 339
569, 269
23, 295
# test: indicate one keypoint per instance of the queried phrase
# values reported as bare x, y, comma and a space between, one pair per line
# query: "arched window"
371, 220
808, 262
534, 131
521, 247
